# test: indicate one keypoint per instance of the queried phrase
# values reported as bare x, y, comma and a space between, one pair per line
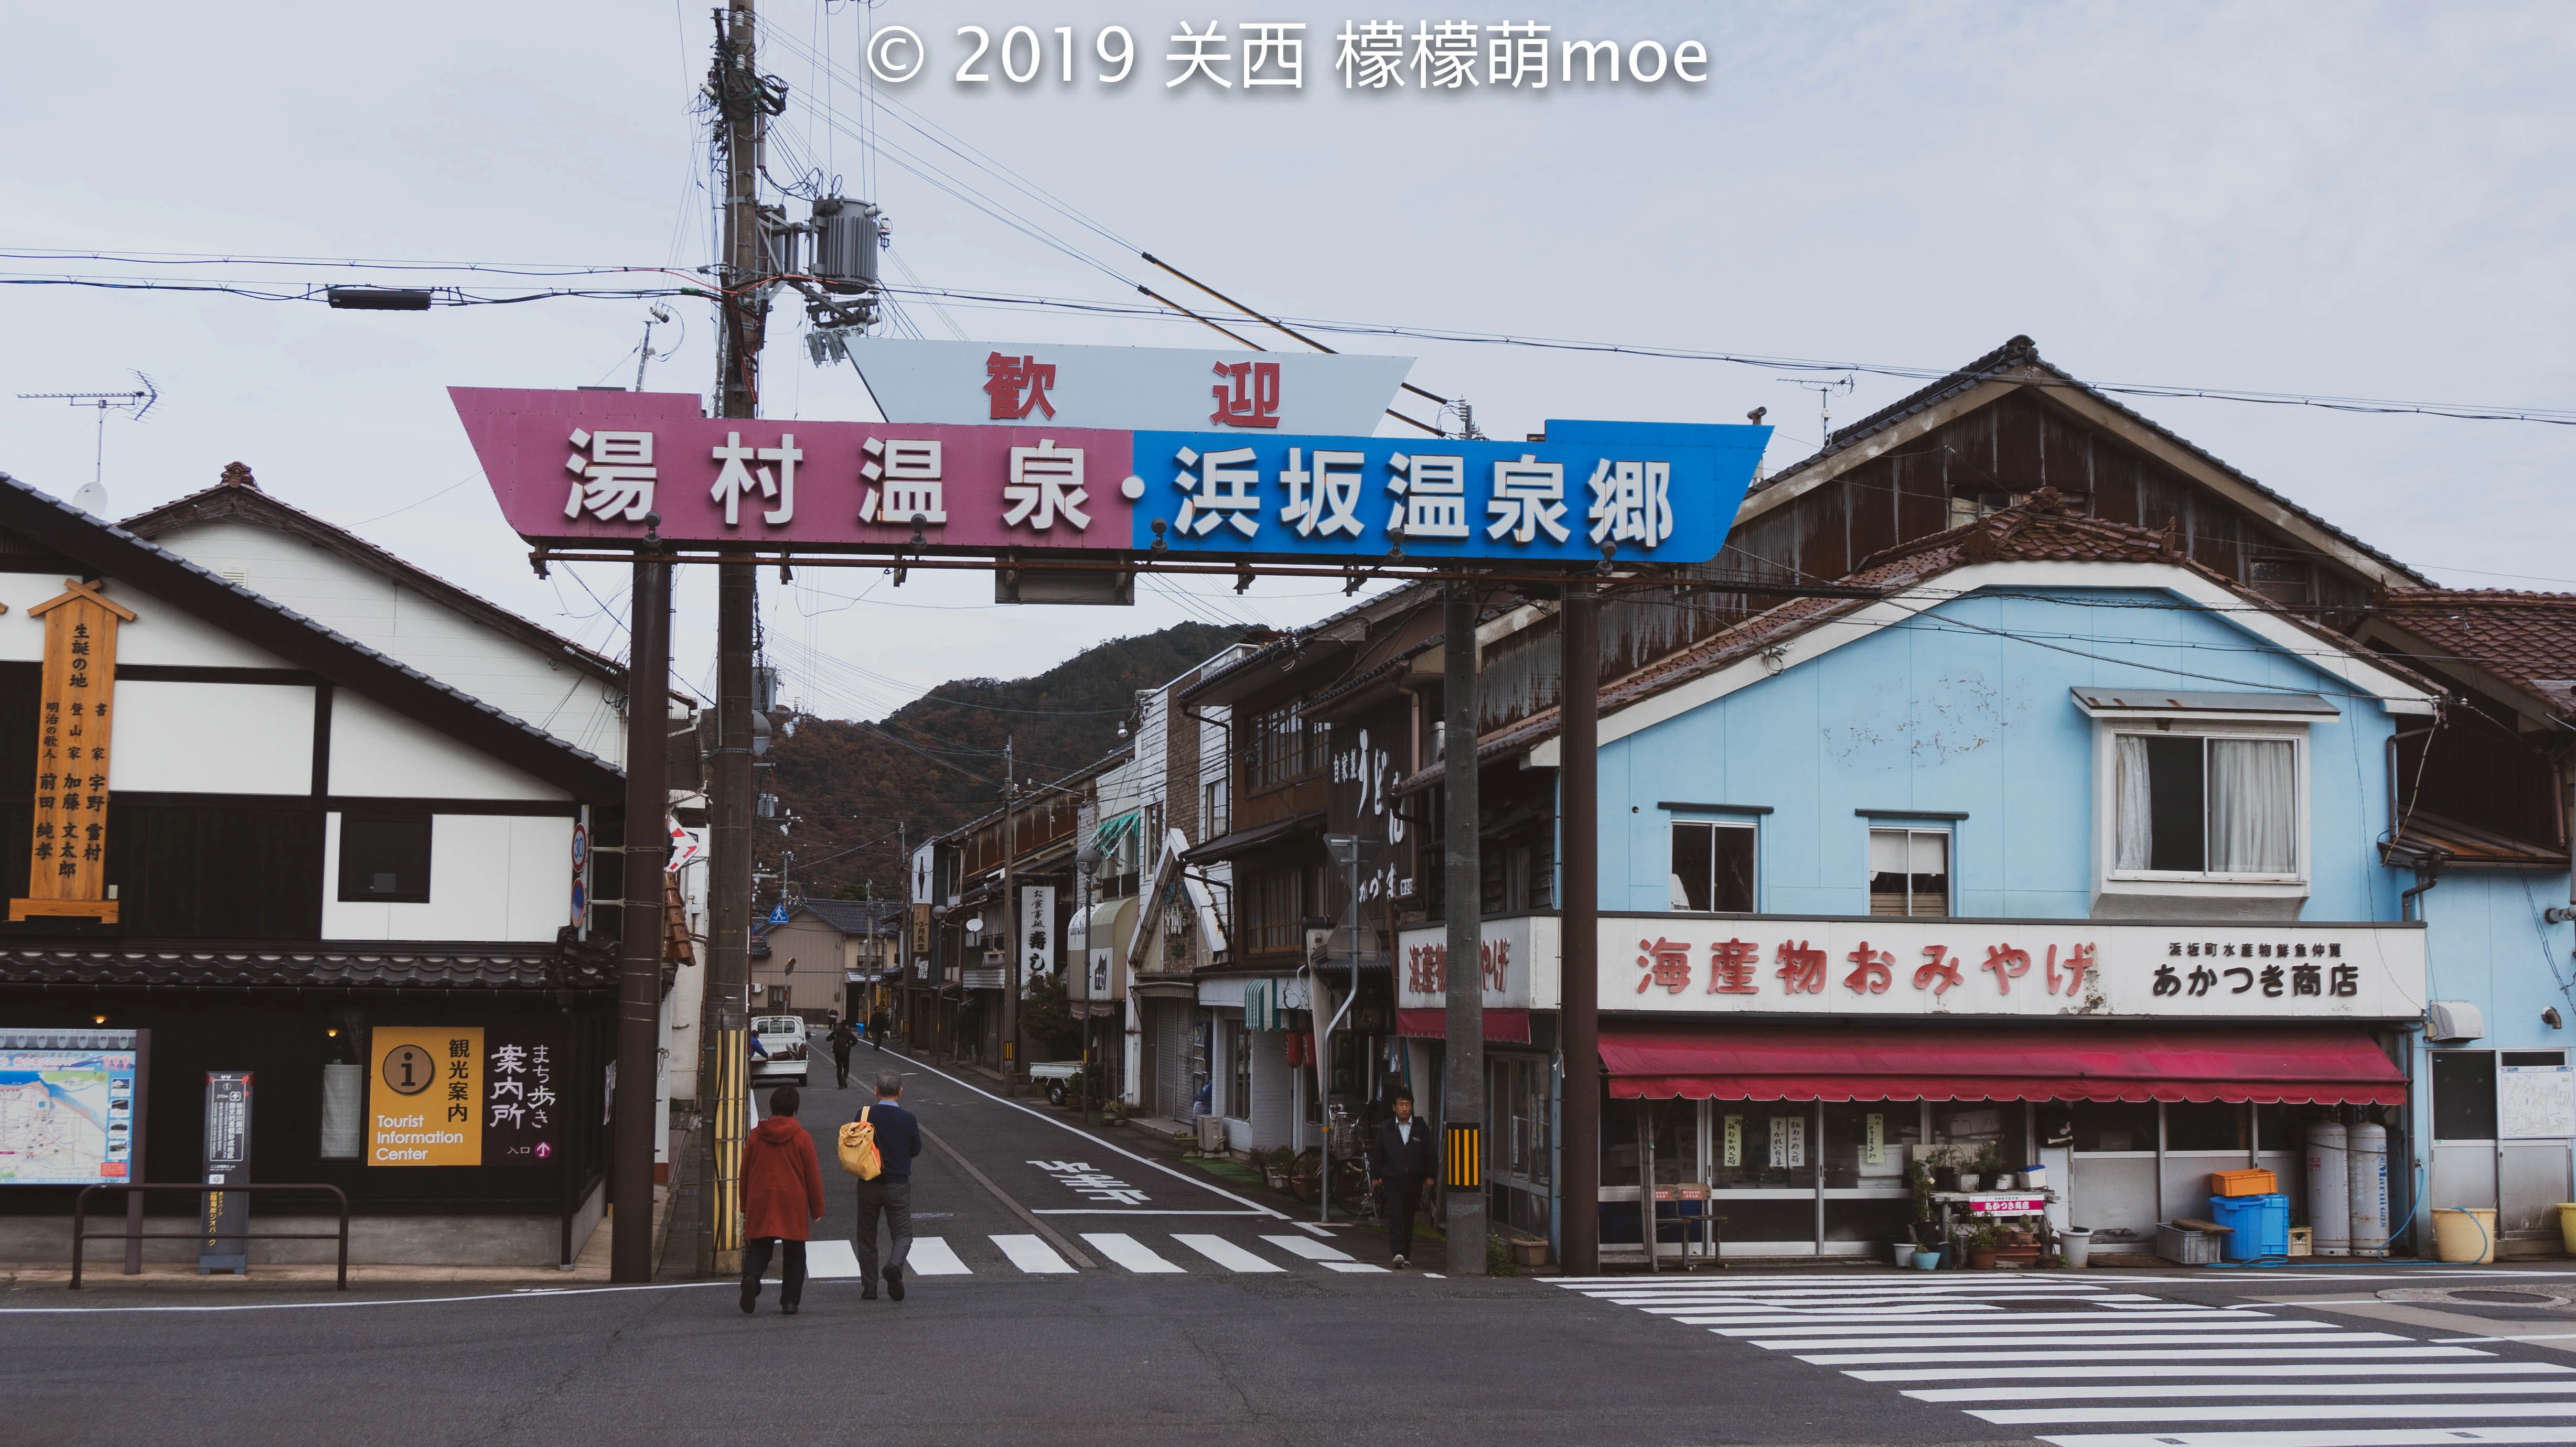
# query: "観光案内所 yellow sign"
424, 1096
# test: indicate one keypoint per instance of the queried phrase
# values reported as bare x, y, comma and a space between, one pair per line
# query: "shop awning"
1503, 1027
2298, 1066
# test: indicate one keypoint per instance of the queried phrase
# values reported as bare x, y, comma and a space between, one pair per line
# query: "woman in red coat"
782, 1191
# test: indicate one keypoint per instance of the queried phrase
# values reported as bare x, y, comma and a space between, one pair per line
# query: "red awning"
2297, 1066
1507, 1027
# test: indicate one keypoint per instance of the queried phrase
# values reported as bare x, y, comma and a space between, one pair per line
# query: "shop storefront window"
2206, 1125
2115, 1127
1762, 1145
1866, 1143
1712, 867
1973, 1125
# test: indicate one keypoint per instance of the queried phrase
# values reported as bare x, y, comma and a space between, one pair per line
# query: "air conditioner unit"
2446, 1021
1211, 1134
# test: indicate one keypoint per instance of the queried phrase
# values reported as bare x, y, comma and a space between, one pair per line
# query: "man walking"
890, 1194
1400, 1152
842, 1040
782, 1191
879, 1024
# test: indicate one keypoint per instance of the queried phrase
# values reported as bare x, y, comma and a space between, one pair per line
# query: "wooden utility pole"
1462, 1095
1010, 1031
639, 914
1578, 781
742, 110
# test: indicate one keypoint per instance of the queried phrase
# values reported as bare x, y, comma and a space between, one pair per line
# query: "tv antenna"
93, 498
1824, 403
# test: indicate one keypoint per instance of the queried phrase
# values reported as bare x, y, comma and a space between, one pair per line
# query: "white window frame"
2108, 729
1949, 864
1749, 826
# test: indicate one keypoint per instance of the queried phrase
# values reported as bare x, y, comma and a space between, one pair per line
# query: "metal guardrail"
82, 1235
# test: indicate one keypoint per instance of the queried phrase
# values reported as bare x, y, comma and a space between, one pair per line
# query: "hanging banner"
587, 468
1174, 388
521, 1106
1037, 931
67, 865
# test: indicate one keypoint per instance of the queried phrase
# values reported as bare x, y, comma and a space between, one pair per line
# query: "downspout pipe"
2428, 871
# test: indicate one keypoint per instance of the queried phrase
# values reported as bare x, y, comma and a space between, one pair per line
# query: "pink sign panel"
587, 467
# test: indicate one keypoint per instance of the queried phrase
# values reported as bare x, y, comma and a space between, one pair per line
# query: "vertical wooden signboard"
67, 868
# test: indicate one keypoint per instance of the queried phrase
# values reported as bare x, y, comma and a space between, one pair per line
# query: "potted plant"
1982, 1244
1922, 1184
1991, 1162
1944, 1161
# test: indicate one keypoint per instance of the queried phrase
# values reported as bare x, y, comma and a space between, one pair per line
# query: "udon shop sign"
589, 468
1680, 965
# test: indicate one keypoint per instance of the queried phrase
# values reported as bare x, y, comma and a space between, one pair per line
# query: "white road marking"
2011, 1324
1226, 1254
1349, 1266
2380, 1437
1860, 1342
1944, 1320
1120, 1211
2239, 1355
2299, 1412
2189, 1390
1033, 1256
1129, 1252
1329, 1257
2304, 1370
933, 1256
2358, 1438
831, 1259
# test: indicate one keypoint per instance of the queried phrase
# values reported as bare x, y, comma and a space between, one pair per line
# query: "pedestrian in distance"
1401, 1164
889, 1194
879, 1025
843, 1040
782, 1194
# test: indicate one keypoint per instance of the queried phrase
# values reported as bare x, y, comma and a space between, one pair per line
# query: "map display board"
66, 1113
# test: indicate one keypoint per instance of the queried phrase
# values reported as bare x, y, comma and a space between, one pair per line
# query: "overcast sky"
2340, 199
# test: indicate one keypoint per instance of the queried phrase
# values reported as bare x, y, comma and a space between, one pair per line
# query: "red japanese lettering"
1730, 967
1802, 970
2079, 958
1666, 963
1872, 970
1939, 965
1247, 394
1019, 385
2008, 964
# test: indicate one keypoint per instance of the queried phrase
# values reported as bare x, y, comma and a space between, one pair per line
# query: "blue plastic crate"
2261, 1225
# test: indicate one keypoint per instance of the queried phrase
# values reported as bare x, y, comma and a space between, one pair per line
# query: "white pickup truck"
783, 1036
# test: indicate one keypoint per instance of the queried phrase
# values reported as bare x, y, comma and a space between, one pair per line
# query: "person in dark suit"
1401, 1160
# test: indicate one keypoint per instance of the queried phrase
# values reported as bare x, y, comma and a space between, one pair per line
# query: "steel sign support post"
639, 978
1578, 781
1463, 1082
1010, 906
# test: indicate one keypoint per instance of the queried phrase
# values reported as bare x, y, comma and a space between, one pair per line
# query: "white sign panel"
1521, 958
1037, 931
1681, 965
1151, 389
2536, 1102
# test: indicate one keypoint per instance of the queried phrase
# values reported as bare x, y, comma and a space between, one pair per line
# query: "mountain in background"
936, 763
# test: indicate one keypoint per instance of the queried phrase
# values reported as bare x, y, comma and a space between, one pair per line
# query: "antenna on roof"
93, 498
1824, 402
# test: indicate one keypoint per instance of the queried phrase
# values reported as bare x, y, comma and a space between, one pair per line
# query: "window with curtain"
2189, 804
1909, 872
1713, 867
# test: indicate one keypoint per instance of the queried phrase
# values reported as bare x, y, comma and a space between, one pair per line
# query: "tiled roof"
2021, 354
854, 916
2527, 640
2045, 529
431, 966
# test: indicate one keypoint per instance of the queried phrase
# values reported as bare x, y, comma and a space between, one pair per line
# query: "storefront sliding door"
2139, 1162
1789, 1178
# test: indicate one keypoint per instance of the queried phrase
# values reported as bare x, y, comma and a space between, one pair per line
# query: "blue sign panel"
1652, 494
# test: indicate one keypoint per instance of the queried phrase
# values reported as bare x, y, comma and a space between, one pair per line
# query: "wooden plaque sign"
67, 868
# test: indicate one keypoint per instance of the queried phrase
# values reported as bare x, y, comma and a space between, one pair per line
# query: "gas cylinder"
2366, 1150
2330, 1188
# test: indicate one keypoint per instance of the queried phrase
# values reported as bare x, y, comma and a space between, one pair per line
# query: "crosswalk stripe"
933, 1256
1705, 1314
2240, 1354
2012, 1324
831, 1259
1033, 1255
1328, 1257
2305, 1370
2298, 1412
1859, 1342
2240, 1389
2358, 1438
1226, 1254
1129, 1252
